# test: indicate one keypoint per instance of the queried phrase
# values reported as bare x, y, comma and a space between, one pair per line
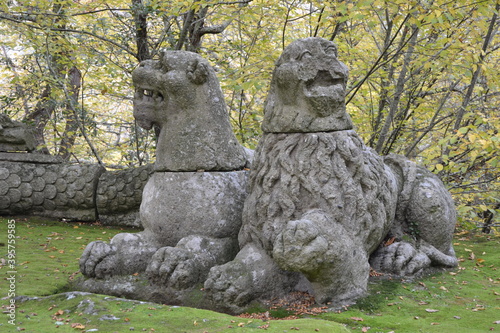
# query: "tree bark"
477, 72
141, 30
71, 128
399, 91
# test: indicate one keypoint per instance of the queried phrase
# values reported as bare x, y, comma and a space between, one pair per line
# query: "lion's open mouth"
148, 95
324, 84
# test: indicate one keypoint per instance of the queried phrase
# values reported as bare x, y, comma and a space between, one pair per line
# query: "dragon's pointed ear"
197, 71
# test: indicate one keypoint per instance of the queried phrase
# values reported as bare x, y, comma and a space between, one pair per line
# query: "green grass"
463, 300
466, 299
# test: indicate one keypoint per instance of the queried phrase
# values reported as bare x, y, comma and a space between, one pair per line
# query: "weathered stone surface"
15, 136
180, 212
188, 263
191, 205
119, 195
307, 90
178, 204
180, 94
251, 275
42, 189
321, 203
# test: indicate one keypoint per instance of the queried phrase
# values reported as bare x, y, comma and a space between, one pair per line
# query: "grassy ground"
463, 300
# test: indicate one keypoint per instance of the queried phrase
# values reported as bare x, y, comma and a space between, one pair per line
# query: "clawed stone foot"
175, 267
324, 252
251, 275
97, 260
126, 253
401, 259
189, 262
300, 247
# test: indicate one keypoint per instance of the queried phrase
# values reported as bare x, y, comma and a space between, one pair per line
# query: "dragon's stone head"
180, 95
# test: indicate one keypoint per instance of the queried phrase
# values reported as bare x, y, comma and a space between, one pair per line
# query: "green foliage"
423, 75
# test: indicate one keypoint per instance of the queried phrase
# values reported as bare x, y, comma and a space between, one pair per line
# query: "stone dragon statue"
192, 203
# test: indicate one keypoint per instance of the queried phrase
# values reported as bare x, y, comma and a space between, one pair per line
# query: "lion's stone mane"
293, 173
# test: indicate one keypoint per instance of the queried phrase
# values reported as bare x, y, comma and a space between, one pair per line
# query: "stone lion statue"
192, 203
321, 203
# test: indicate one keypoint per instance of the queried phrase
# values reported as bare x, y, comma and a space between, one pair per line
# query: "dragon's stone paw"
173, 266
97, 260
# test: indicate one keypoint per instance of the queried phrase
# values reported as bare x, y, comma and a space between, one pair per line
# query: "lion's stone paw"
300, 246
251, 275
229, 284
399, 258
97, 260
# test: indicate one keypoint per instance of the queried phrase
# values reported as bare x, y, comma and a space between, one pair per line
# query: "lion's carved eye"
304, 55
331, 51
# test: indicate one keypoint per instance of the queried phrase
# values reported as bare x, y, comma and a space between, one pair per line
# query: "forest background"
424, 76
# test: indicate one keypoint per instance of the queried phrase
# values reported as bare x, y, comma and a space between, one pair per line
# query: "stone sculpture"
118, 195
44, 185
192, 203
54, 190
321, 203
15, 136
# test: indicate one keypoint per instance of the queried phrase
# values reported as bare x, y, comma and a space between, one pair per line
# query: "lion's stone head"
181, 95
308, 90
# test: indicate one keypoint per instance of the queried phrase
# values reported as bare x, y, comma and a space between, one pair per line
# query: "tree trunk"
71, 128
40, 116
141, 30
399, 91
477, 72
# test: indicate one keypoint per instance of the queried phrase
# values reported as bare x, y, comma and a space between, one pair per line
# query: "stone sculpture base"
138, 287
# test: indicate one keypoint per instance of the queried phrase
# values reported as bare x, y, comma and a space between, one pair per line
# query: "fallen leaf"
434, 323
365, 329
78, 326
241, 325
58, 313
497, 322
431, 310
357, 318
